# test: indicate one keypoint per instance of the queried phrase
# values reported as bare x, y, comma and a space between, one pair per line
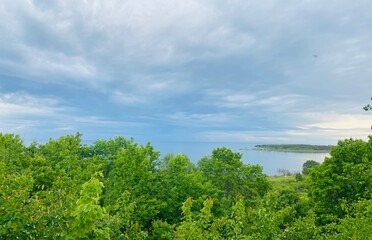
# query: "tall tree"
90, 219
343, 178
228, 173
134, 170
179, 181
308, 165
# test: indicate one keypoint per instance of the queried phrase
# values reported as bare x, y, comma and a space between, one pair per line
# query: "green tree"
195, 227
15, 190
357, 223
64, 148
134, 170
90, 219
122, 224
303, 228
13, 152
234, 226
228, 173
180, 180
162, 230
308, 165
345, 177
107, 151
269, 218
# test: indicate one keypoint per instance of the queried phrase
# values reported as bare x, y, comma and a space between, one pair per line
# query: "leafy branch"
368, 107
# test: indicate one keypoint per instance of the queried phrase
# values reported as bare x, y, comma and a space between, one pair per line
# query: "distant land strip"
296, 148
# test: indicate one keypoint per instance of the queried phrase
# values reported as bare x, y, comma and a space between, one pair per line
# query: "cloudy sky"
186, 71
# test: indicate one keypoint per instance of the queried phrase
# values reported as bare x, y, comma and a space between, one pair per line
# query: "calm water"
271, 161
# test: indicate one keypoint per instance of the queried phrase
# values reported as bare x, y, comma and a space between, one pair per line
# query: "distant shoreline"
293, 148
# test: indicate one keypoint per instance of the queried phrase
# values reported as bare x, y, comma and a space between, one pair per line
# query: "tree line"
294, 148
119, 189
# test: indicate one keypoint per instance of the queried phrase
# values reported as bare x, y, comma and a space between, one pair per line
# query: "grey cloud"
197, 59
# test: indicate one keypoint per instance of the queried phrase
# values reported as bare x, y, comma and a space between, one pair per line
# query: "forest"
119, 189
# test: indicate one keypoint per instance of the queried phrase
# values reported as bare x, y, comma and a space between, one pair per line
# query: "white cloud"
57, 64
20, 103
336, 121
325, 135
305, 136
100, 40
65, 129
50, 66
202, 120
14, 109
127, 98
263, 99
140, 89
68, 34
242, 136
164, 55
348, 56
21, 112
41, 117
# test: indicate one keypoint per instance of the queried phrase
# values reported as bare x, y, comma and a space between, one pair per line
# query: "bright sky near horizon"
187, 71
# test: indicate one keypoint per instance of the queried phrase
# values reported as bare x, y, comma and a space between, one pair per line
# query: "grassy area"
279, 182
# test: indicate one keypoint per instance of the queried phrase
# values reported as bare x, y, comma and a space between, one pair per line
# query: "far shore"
291, 148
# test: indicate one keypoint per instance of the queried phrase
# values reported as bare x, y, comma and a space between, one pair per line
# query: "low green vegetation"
118, 189
299, 148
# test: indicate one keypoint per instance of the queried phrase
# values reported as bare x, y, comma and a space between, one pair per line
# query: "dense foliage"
309, 164
117, 189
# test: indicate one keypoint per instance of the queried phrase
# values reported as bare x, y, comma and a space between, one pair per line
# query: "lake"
271, 161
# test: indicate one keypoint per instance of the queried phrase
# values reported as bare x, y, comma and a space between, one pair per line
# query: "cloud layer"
204, 70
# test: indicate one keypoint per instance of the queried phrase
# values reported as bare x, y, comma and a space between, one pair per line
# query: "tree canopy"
116, 188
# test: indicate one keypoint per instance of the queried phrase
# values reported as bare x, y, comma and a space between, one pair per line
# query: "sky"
193, 71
